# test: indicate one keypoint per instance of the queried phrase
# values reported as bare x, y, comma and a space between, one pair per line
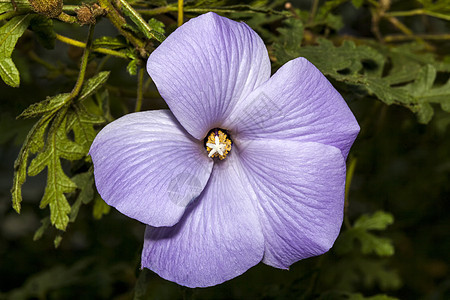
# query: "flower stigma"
218, 144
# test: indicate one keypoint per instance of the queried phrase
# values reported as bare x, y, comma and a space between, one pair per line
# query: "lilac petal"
300, 189
218, 238
297, 103
205, 66
148, 167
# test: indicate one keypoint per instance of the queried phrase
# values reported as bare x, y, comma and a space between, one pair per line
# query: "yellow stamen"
218, 144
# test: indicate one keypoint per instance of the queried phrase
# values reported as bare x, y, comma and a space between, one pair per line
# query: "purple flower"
244, 167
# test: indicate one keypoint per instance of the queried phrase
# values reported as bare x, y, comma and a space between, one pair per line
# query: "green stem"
418, 12
70, 8
180, 13
83, 45
139, 90
230, 9
394, 38
348, 182
119, 22
67, 18
84, 62
136, 17
313, 12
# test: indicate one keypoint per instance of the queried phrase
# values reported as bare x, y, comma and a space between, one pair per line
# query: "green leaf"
100, 208
7, 5
57, 146
85, 182
93, 84
370, 243
424, 92
290, 40
43, 29
132, 67
373, 244
9, 72
33, 143
156, 25
11, 32
40, 232
108, 42
57, 240
345, 62
409, 80
380, 220
143, 26
48, 106
82, 123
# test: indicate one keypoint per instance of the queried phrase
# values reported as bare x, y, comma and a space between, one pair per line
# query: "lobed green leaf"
370, 243
380, 220
57, 146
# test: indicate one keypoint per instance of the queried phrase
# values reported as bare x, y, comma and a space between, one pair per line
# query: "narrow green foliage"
49, 106
9, 34
143, 26
108, 42
93, 84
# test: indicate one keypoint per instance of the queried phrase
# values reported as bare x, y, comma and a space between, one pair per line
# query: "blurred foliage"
388, 58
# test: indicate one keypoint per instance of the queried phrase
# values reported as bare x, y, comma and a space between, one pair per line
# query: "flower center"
217, 143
